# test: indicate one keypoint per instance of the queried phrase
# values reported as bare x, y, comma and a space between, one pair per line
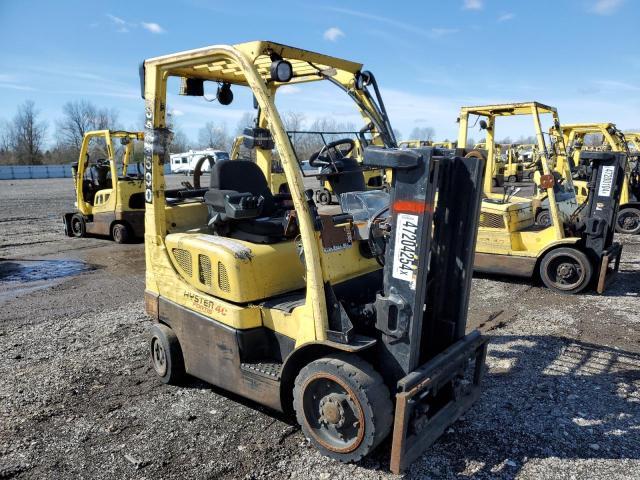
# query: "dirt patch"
78, 398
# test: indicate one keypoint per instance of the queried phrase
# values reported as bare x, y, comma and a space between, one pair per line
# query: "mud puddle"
18, 276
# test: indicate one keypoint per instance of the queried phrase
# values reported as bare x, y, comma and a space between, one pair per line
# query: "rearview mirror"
483, 125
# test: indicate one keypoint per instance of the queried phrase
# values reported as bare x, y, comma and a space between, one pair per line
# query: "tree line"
24, 138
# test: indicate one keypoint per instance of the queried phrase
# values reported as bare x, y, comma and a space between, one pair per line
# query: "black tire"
324, 197
78, 226
494, 182
343, 406
530, 175
283, 188
628, 221
566, 270
166, 354
512, 179
120, 233
543, 218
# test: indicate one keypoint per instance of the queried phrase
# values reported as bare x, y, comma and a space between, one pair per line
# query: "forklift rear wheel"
628, 221
566, 270
166, 354
543, 218
324, 197
78, 227
343, 406
120, 233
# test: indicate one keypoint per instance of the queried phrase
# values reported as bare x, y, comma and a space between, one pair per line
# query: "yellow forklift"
415, 143
574, 135
514, 168
337, 177
109, 196
353, 320
576, 249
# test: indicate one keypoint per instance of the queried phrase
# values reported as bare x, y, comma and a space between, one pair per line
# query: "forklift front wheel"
628, 221
166, 354
78, 227
512, 179
566, 270
120, 233
343, 406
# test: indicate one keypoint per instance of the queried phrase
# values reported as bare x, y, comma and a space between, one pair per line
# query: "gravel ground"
78, 398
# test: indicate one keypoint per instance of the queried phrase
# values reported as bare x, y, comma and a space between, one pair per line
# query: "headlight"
281, 71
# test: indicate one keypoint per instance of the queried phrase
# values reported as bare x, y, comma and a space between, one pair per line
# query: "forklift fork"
416, 426
610, 257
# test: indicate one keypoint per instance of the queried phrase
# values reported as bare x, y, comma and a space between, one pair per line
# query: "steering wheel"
197, 170
331, 153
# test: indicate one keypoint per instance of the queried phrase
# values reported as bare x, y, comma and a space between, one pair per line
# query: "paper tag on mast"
606, 181
406, 245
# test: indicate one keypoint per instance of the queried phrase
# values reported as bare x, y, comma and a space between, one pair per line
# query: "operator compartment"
249, 230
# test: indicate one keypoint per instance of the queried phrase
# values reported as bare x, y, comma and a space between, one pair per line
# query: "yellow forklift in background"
337, 177
353, 320
414, 143
574, 136
109, 196
576, 250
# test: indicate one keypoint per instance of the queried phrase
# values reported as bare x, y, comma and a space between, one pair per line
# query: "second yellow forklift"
576, 249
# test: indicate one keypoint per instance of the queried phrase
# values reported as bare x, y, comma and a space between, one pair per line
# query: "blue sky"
430, 57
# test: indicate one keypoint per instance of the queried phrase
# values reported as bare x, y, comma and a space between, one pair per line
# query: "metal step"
265, 368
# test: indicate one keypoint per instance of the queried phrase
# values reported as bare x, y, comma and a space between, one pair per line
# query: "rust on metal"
606, 274
415, 426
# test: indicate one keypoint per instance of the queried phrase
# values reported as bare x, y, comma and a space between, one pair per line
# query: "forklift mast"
421, 312
429, 258
601, 209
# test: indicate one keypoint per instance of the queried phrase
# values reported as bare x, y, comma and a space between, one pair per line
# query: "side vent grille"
204, 267
183, 257
223, 278
491, 220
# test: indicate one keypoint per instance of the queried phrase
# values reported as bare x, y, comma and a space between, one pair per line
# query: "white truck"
186, 162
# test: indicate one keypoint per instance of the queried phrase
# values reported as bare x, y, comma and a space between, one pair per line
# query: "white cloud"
116, 20
152, 27
376, 18
333, 34
441, 32
505, 17
472, 5
121, 25
289, 90
606, 7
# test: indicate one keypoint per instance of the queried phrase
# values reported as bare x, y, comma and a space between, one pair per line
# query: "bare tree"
422, 133
80, 117
27, 134
470, 142
293, 121
247, 120
213, 135
180, 142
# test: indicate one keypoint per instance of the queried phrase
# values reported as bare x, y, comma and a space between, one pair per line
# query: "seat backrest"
350, 178
242, 176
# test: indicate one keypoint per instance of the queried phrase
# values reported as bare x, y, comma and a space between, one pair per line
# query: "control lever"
317, 223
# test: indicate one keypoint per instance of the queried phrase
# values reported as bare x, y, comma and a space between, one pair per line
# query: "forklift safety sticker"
606, 181
406, 243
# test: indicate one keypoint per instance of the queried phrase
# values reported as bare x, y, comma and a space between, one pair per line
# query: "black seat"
349, 179
230, 177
